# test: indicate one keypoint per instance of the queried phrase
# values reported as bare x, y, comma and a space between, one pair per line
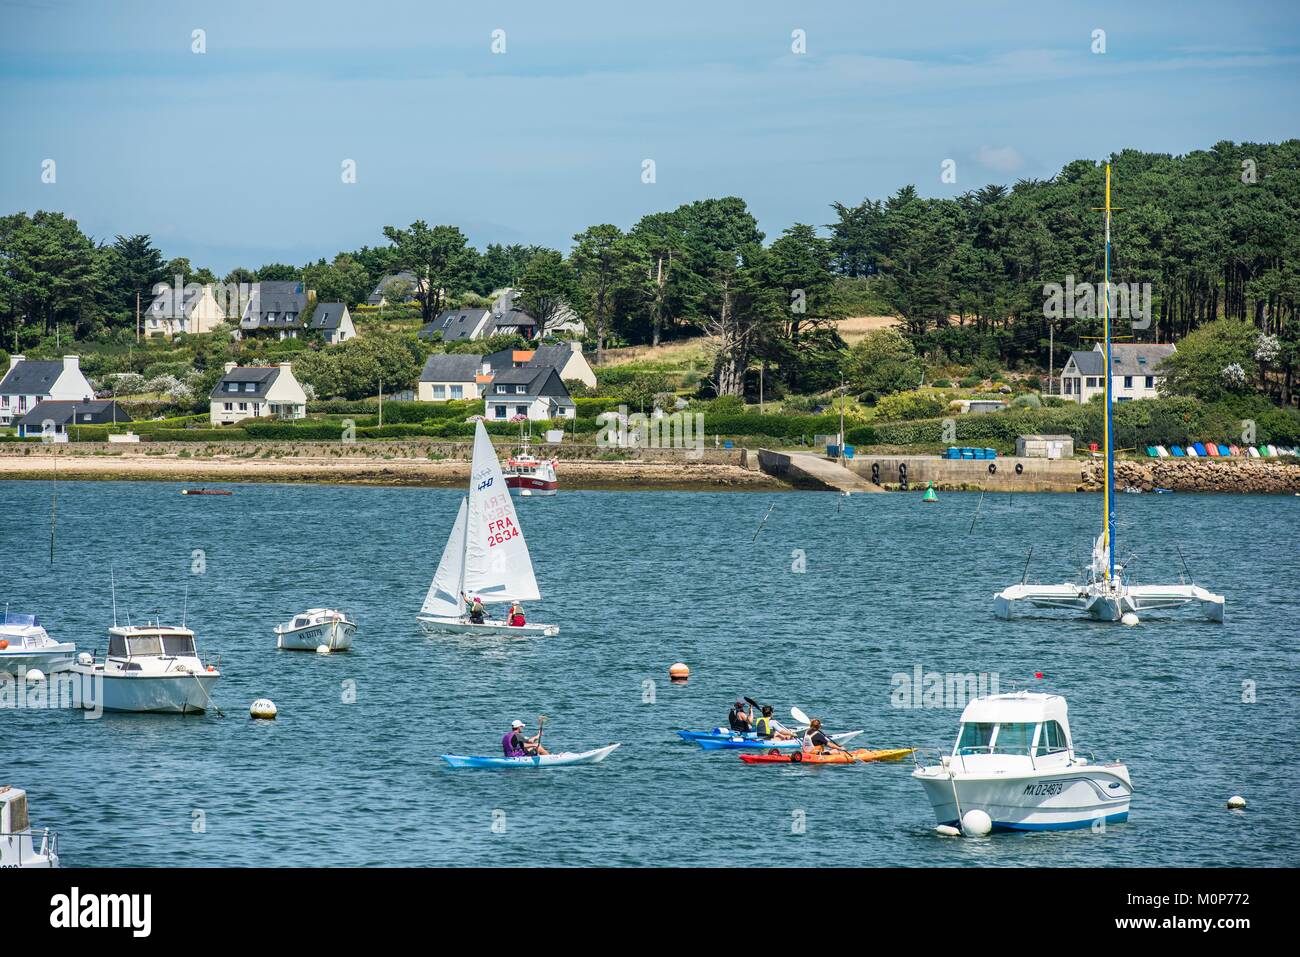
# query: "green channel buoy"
929, 495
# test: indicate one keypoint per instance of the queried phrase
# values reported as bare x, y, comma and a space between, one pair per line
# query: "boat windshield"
146, 645
17, 618
974, 737
1014, 738
181, 645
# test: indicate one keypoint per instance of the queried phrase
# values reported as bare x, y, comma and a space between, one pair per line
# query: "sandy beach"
172, 465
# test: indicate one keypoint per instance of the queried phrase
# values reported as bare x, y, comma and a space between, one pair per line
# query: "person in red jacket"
516, 618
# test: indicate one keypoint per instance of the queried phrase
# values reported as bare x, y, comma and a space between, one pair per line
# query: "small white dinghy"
18, 847
316, 627
485, 556
1015, 761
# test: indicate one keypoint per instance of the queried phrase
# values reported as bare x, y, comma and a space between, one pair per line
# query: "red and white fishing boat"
526, 474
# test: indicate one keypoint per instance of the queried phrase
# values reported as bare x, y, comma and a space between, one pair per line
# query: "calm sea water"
637, 581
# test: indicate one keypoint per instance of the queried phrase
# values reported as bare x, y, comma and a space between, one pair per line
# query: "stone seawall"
1198, 475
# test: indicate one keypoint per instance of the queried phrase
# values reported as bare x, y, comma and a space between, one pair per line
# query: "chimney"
14, 360
231, 365
71, 363
286, 367
576, 345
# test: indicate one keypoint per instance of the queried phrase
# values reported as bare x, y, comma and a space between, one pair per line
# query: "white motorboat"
148, 667
1106, 594
18, 846
1015, 760
25, 645
316, 627
485, 557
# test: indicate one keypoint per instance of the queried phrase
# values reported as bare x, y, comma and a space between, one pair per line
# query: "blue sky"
233, 157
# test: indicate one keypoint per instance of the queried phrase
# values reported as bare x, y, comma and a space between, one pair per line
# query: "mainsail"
442, 599
497, 565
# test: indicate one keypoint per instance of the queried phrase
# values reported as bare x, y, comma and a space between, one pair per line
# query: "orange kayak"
862, 755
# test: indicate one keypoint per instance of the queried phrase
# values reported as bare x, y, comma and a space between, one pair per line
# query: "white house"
246, 392
389, 284
565, 357
53, 416
333, 321
30, 381
447, 377
1134, 372
193, 309
533, 391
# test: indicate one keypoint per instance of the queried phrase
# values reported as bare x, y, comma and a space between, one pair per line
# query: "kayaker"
516, 615
515, 745
818, 740
476, 609
739, 718
767, 728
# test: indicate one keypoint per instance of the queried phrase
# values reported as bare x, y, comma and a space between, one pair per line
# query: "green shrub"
905, 406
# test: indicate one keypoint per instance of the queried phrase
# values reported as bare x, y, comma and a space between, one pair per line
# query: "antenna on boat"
1025, 577
112, 577
185, 607
971, 531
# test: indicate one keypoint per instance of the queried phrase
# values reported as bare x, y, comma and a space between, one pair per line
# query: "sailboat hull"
432, 625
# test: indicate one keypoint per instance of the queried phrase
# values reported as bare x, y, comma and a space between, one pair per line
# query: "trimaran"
485, 556
1107, 595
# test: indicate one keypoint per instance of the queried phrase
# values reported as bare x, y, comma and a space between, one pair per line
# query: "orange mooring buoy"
679, 672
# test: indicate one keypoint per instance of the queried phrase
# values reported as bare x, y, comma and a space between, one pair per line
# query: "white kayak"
560, 760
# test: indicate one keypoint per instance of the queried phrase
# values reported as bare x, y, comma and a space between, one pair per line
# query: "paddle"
541, 724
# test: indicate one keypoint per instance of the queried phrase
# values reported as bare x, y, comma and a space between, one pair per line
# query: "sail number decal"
500, 531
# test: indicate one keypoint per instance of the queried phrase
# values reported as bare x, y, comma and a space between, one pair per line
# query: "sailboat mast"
1108, 508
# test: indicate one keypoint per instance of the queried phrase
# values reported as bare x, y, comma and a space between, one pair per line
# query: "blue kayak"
716, 733
739, 742
563, 759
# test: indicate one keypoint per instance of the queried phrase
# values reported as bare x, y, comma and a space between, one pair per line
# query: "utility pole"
381, 400
843, 390
137, 315
1051, 350
761, 370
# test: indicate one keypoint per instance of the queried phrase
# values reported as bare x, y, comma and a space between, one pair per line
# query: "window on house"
501, 390
521, 390
458, 392
1128, 382
243, 407
250, 386
1151, 382
439, 391
521, 410
230, 406
499, 411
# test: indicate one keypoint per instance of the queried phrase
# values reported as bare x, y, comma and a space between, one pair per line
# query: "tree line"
1214, 233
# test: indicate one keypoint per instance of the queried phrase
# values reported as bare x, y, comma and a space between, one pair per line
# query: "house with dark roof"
333, 321
536, 392
386, 286
192, 309
52, 417
458, 325
246, 392
564, 357
1134, 373
509, 314
30, 381
275, 308
446, 377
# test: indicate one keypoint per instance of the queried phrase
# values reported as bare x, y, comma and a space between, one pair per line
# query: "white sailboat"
485, 556
1107, 595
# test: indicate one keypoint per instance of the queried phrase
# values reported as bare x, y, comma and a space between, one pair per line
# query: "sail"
442, 599
497, 565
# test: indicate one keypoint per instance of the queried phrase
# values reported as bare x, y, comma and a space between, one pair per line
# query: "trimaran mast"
1108, 506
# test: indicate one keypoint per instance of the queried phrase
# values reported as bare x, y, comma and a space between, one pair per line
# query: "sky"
235, 156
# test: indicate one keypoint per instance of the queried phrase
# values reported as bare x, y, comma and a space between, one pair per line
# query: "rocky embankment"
1199, 475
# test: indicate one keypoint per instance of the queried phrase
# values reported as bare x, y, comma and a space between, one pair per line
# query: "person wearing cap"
768, 728
740, 719
516, 616
476, 609
515, 745
818, 740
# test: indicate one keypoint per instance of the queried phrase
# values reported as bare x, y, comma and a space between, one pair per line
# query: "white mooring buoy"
976, 823
1236, 802
263, 708
322, 649
36, 674
947, 830
1129, 618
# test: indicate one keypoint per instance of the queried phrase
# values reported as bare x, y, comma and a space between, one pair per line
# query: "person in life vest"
818, 740
740, 719
516, 615
767, 728
475, 609
515, 745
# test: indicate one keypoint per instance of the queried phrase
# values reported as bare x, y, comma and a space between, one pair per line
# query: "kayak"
862, 755
715, 733
743, 743
563, 759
